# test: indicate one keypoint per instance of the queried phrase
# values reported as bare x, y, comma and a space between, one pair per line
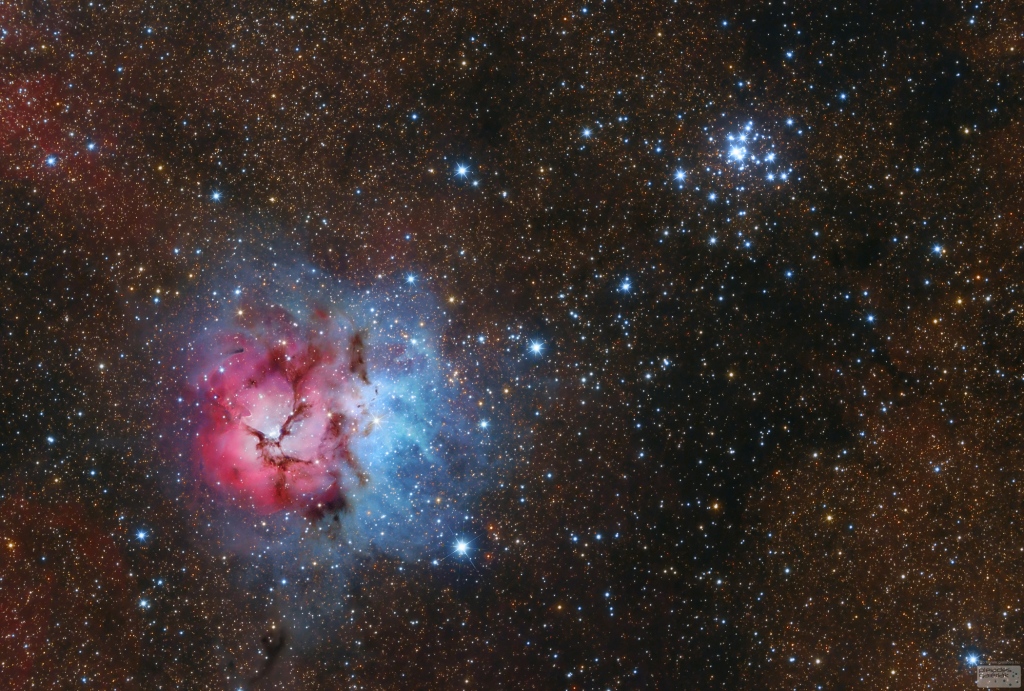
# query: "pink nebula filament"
278, 418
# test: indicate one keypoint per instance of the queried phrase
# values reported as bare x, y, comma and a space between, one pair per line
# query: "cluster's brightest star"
461, 547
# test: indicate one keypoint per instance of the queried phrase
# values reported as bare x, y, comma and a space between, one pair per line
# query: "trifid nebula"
591, 346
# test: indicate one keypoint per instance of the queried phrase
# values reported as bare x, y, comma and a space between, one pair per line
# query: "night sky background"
694, 332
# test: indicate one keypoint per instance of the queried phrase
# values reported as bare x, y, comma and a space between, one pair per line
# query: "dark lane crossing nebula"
592, 345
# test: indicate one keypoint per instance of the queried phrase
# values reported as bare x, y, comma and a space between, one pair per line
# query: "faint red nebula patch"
66, 602
280, 407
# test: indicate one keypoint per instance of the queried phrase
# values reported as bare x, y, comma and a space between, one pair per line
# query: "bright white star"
461, 547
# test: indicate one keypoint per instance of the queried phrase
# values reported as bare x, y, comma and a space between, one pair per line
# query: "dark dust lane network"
593, 345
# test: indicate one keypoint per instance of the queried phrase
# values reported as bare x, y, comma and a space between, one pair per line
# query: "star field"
692, 344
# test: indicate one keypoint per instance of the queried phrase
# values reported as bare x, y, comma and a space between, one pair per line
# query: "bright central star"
461, 547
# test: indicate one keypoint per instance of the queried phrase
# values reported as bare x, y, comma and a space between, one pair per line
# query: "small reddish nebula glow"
279, 409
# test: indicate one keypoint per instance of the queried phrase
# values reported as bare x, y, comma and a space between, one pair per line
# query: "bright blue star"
410, 279
586, 132
461, 547
626, 286
972, 659
51, 160
215, 196
462, 171
484, 424
871, 318
141, 535
937, 249
536, 347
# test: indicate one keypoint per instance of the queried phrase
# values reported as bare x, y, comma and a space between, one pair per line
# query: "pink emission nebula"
279, 409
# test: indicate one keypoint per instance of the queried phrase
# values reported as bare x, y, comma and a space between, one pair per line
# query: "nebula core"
280, 406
